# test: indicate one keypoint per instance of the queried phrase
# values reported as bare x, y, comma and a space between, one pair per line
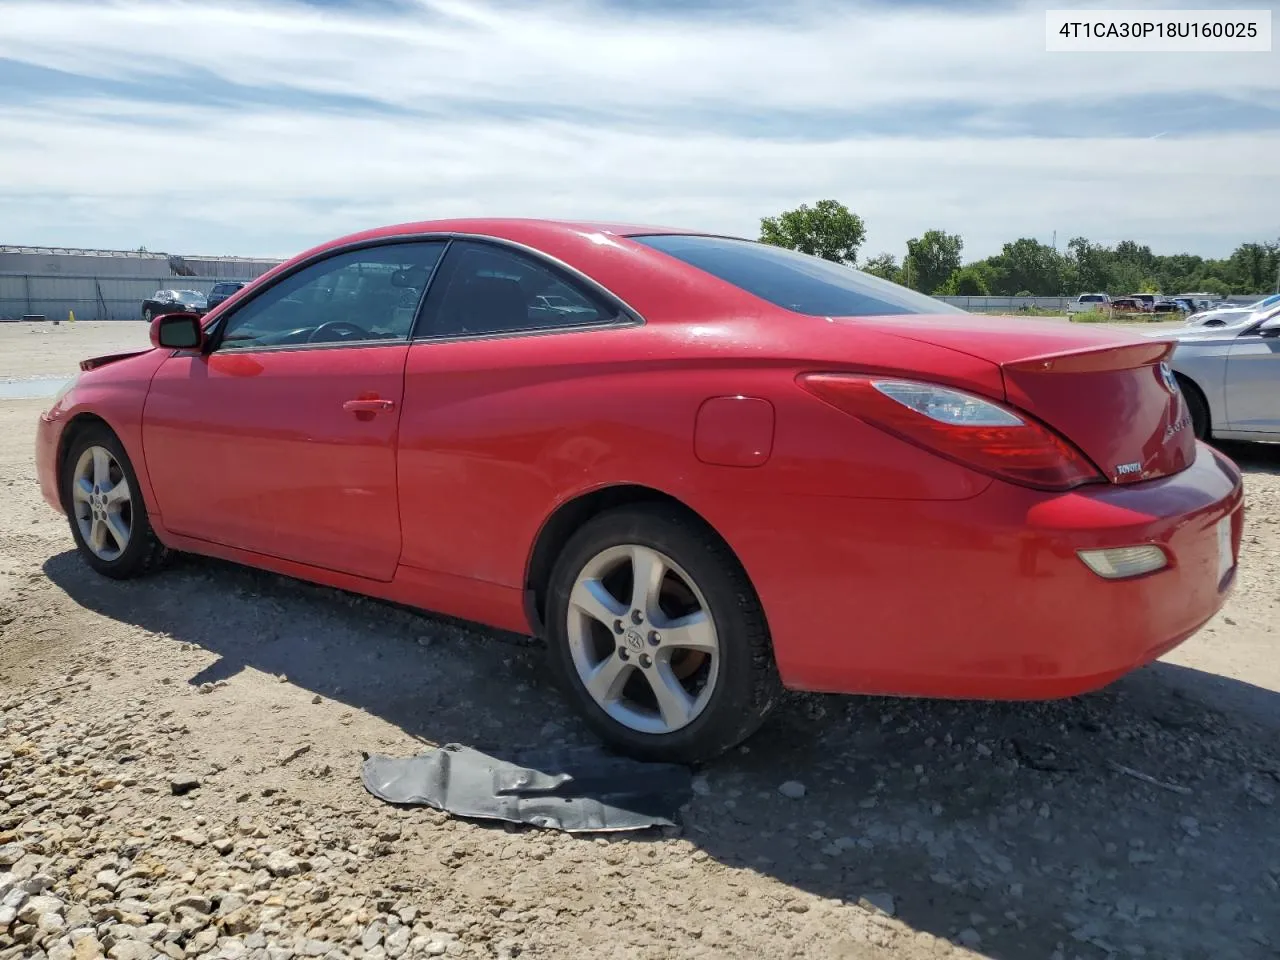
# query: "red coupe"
701, 468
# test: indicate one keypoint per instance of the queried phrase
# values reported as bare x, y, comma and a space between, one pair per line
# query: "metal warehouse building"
105, 284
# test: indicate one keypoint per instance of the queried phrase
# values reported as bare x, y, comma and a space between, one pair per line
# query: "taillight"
960, 426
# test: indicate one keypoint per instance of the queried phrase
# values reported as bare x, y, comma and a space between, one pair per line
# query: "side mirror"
177, 331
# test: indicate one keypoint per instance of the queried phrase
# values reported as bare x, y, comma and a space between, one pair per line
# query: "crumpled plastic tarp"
578, 790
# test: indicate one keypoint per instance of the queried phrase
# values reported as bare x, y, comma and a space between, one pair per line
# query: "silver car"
1230, 375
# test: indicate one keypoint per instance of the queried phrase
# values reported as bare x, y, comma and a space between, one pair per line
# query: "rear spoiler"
1096, 359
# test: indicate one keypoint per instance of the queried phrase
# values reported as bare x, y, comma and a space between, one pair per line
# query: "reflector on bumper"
1120, 562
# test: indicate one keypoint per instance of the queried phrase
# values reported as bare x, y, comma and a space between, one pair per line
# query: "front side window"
362, 295
483, 289
794, 281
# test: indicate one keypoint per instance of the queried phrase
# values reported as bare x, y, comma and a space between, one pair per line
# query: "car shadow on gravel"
1140, 818
1253, 457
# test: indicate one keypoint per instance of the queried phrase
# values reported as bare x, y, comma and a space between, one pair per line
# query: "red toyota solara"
702, 468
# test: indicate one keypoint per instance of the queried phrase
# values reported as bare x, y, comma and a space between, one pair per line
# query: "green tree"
971, 281
828, 229
1090, 264
934, 257
1252, 267
1028, 266
884, 265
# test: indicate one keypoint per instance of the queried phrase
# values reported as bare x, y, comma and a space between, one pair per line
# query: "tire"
1201, 423
717, 648
142, 551
147, 315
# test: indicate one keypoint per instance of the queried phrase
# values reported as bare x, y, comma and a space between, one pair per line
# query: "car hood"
1196, 334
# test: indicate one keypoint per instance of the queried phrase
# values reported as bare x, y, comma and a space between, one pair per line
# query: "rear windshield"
795, 281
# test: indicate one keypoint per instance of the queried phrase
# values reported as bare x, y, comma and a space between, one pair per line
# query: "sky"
261, 127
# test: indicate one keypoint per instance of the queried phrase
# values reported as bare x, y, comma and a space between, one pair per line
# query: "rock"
37, 907
224, 845
397, 942
288, 754
701, 787
239, 921
372, 936
879, 901
792, 789
282, 865
184, 784
88, 948
131, 950
107, 879
193, 902
435, 948
10, 854
193, 837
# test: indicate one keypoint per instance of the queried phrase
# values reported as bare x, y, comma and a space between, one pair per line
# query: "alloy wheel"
103, 503
642, 639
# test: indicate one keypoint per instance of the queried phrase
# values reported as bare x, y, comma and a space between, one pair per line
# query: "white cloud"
268, 180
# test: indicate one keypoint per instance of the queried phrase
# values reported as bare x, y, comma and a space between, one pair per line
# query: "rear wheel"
108, 518
146, 314
658, 637
1197, 407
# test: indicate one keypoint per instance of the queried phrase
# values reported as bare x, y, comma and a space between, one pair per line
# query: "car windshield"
190, 296
794, 281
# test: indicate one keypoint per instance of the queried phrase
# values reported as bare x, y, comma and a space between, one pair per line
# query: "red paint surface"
881, 567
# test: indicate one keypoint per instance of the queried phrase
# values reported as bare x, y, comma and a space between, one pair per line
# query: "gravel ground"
179, 776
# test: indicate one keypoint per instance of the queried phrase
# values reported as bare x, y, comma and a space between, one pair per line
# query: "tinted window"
483, 288
369, 294
795, 281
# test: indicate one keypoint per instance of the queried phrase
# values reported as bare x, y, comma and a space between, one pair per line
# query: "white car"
1230, 375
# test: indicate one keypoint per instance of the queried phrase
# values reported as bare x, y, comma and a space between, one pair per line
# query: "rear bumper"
986, 597
48, 434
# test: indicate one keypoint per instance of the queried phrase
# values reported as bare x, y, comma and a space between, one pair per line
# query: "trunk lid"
1109, 392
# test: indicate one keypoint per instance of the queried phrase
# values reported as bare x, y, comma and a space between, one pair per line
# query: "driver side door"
280, 438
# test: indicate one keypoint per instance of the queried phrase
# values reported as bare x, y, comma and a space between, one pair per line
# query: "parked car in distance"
1128, 305
1147, 300
223, 289
702, 469
1089, 303
173, 301
1219, 318
1229, 372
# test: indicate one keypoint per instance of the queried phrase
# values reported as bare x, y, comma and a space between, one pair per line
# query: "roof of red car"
507, 228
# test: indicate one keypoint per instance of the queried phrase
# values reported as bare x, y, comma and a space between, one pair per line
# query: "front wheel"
104, 504
658, 637
147, 315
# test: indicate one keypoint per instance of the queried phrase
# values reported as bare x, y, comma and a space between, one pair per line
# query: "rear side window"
795, 281
485, 289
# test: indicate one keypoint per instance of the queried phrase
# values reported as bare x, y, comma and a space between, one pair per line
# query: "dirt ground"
926, 828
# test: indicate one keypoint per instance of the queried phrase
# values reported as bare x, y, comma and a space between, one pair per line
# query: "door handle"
368, 406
